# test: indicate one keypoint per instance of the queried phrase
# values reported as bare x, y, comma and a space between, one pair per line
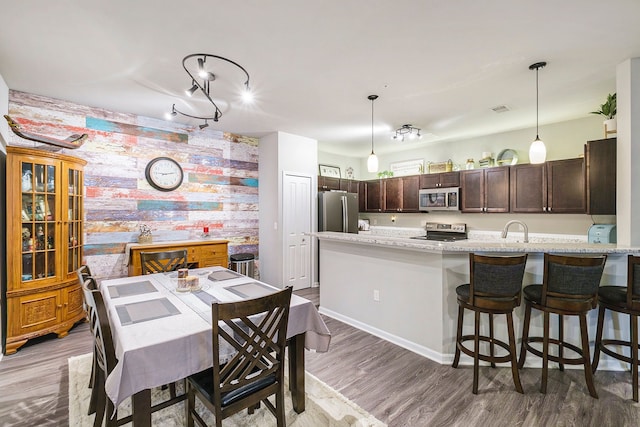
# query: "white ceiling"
439, 65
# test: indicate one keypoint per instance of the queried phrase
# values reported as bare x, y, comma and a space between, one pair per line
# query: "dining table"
162, 332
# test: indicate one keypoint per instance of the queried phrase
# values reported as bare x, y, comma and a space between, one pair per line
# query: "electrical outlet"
376, 295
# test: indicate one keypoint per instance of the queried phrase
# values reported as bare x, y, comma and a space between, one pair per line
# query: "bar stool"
626, 300
494, 288
569, 288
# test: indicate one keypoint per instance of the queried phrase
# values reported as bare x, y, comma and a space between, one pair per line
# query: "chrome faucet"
515, 221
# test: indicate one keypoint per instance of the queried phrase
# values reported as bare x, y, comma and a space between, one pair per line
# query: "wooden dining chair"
569, 288
161, 262
87, 281
255, 333
106, 362
494, 288
621, 299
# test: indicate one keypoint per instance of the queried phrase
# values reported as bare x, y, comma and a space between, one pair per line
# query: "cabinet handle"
549, 209
59, 306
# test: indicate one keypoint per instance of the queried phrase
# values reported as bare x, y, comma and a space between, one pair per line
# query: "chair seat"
533, 293
613, 295
203, 382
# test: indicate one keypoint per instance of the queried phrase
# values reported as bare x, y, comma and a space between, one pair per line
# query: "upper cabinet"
485, 190
326, 183
373, 196
401, 194
600, 169
437, 180
553, 187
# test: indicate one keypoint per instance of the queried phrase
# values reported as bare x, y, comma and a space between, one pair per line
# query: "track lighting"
191, 90
195, 65
407, 131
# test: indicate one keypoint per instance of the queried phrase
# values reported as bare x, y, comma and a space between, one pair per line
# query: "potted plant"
608, 110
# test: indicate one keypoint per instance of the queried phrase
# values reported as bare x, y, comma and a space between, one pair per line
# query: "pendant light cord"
372, 98
537, 104
537, 67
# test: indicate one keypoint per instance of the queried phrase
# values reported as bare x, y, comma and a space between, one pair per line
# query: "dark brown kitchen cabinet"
600, 179
326, 183
565, 186
401, 194
437, 180
349, 185
553, 187
362, 196
485, 190
528, 193
373, 196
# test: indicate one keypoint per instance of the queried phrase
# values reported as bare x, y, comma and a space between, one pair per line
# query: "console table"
200, 253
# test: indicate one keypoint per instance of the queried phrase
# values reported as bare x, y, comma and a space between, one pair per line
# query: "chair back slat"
101, 330
256, 330
161, 262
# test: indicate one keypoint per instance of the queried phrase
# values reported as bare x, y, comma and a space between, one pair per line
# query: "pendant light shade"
537, 150
372, 161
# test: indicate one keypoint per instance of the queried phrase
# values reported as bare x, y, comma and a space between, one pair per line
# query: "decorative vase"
610, 127
145, 240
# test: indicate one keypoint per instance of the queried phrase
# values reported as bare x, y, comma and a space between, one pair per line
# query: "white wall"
563, 140
281, 152
343, 162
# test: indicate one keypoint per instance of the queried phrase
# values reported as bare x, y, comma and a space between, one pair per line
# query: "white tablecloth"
160, 351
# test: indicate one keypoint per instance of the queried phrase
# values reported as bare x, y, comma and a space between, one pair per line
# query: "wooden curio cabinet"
44, 244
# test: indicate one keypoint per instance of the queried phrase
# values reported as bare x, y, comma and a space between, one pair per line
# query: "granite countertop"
479, 244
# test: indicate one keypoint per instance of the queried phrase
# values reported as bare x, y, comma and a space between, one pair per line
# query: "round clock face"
164, 174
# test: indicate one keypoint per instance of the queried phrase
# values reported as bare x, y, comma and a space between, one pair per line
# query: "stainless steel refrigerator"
338, 211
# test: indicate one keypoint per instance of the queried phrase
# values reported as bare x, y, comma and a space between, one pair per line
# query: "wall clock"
164, 174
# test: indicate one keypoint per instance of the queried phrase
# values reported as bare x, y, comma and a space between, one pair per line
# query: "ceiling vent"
501, 109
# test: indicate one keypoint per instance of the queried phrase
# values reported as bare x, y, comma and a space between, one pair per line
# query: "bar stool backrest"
496, 276
633, 283
568, 278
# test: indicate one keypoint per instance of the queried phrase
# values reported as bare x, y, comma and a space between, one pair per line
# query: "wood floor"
397, 386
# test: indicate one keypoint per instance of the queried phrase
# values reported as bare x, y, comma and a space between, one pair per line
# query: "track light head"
204, 125
191, 90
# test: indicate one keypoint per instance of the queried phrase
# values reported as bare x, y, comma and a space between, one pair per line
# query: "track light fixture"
407, 131
195, 66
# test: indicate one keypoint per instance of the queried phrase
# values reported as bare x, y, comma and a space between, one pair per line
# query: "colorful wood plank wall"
220, 187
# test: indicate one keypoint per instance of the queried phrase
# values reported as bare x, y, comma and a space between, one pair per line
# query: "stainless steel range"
444, 232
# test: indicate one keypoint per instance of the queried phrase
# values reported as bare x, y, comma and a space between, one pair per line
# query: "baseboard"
606, 363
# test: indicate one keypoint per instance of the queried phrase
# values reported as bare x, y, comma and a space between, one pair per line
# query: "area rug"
324, 406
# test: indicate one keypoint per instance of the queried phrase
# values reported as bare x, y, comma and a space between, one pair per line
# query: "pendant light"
537, 150
372, 161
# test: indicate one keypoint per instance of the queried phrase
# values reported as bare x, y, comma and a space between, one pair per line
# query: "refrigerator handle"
345, 214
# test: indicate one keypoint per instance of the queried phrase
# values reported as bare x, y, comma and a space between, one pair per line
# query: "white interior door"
296, 212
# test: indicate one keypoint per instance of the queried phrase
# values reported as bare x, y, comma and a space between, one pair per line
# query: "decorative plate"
507, 157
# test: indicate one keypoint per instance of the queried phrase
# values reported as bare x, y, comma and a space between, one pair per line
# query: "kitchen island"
403, 290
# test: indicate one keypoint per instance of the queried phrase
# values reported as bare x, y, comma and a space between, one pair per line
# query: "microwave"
439, 199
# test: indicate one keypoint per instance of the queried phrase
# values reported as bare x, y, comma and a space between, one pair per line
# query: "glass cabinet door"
38, 215
74, 220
